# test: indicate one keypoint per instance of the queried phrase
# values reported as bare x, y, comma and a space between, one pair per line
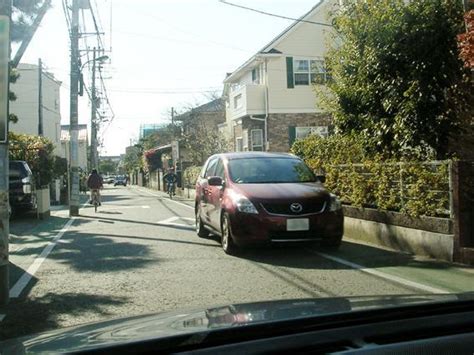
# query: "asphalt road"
139, 254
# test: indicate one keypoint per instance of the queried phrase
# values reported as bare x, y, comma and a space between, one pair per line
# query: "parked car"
263, 198
109, 179
120, 180
21, 186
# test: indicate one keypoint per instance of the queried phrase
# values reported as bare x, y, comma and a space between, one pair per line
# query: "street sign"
4, 75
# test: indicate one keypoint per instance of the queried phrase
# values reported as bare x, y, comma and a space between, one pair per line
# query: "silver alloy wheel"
198, 220
200, 229
225, 234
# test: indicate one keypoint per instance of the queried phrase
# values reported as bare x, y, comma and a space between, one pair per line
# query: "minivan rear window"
17, 169
269, 170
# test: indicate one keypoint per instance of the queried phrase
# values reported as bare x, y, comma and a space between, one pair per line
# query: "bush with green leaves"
190, 176
412, 187
397, 76
37, 152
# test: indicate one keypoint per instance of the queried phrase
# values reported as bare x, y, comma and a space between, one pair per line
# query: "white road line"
154, 194
108, 207
380, 274
19, 286
170, 222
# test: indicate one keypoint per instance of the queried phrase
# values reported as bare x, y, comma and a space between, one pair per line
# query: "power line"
97, 29
175, 40
274, 15
164, 92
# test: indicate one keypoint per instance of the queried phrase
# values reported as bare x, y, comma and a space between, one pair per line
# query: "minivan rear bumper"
252, 229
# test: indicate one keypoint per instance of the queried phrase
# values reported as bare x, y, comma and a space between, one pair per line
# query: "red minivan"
256, 198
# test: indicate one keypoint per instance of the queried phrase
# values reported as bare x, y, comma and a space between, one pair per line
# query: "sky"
162, 54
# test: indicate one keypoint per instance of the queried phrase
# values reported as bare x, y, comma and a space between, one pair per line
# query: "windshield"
269, 170
319, 149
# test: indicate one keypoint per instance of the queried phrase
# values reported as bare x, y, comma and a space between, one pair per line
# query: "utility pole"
5, 14
93, 153
73, 113
172, 115
40, 98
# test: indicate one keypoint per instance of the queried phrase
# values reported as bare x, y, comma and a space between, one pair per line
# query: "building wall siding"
279, 123
26, 105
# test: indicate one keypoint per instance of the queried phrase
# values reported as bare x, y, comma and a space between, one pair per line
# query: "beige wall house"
270, 99
82, 144
27, 106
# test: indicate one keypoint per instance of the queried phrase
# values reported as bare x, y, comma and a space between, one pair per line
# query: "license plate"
297, 224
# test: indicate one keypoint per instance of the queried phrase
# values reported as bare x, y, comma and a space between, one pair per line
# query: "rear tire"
200, 229
227, 240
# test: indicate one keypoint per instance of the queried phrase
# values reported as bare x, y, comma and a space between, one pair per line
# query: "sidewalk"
29, 236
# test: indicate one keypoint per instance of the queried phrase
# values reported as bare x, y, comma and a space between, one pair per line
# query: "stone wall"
278, 124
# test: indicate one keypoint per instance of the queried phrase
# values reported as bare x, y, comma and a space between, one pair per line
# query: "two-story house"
27, 106
270, 99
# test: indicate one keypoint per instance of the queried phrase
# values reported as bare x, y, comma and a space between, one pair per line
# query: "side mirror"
321, 178
215, 181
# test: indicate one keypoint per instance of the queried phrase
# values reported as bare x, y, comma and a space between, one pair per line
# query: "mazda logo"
296, 207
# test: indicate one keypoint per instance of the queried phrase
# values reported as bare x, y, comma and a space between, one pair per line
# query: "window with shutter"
289, 73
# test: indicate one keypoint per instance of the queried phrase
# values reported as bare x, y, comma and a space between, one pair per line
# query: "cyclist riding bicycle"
95, 183
170, 178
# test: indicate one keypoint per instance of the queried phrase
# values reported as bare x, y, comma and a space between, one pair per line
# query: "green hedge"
413, 187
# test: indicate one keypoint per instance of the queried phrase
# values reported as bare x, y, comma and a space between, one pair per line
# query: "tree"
23, 15
397, 76
466, 41
132, 159
37, 152
107, 166
201, 143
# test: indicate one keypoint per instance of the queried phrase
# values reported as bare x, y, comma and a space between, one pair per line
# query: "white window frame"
252, 143
321, 131
256, 70
311, 71
239, 144
245, 140
238, 101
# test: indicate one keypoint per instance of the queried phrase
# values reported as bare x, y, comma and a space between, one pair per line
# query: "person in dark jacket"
95, 183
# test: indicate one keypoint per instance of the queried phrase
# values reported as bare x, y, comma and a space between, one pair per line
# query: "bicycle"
95, 198
170, 190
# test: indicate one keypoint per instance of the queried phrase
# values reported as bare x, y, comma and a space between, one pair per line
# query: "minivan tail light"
27, 188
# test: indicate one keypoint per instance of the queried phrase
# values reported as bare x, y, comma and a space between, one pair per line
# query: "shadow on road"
33, 315
303, 257
89, 252
156, 224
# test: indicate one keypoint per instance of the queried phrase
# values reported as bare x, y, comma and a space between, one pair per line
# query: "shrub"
37, 152
190, 175
412, 187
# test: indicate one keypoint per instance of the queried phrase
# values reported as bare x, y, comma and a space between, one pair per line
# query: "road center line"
380, 274
20, 285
